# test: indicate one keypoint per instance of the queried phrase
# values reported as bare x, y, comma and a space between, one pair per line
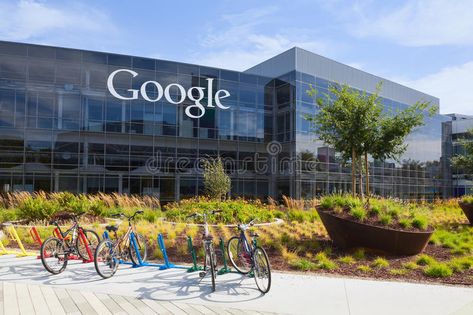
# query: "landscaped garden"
300, 243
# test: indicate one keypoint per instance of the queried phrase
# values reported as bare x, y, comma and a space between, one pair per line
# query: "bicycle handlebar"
131, 217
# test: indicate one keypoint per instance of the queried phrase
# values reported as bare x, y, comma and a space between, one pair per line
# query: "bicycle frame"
77, 231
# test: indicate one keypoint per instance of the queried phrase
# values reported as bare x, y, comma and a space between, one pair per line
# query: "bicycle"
248, 257
210, 258
110, 253
56, 250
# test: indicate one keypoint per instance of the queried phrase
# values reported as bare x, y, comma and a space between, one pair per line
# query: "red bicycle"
56, 250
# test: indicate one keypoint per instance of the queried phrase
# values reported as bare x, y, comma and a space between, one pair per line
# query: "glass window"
169, 114
166, 66
12, 68
95, 107
114, 110
71, 106
94, 57
67, 73
119, 60
144, 63
68, 54
41, 71
13, 49
41, 52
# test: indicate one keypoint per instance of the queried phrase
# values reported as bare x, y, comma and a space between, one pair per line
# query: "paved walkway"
29, 289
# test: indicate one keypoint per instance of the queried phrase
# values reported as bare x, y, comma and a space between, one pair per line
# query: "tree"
464, 161
217, 182
355, 124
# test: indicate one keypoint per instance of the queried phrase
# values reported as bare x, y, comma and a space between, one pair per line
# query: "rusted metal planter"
347, 234
467, 210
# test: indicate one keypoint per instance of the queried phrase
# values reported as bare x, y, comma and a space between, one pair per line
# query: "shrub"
398, 272
359, 254
364, 268
380, 262
438, 270
38, 208
303, 264
8, 215
324, 262
405, 223
349, 260
358, 213
461, 263
468, 199
410, 265
420, 222
385, 219
425, 260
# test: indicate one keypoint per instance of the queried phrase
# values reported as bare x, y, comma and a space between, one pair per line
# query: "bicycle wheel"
105, 259
92, 239
262, 270
142, 248
213, 265
236, 254
54, 255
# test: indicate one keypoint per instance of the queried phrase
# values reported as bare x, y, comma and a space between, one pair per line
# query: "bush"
438, 270
420, 222
359, 254
358, 213
38, 208
364, 268
303, 264
468, 199
461, 263
233, 211
410, 265
325, 262
425, 260
349, 260
380, 262
8, 215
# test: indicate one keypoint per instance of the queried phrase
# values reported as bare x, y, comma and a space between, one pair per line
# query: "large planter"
347, 234
467, 210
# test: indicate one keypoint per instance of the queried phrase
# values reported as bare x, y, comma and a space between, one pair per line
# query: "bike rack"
35, 236
225, 268
141, 263
14, 236
191, 248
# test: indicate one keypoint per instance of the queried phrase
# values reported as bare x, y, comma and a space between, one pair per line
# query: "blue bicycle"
247, 257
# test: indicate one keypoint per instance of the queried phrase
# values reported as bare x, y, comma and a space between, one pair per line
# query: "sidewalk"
176, 291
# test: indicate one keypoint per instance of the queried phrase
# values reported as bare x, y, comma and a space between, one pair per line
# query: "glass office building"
62, 128
454, 132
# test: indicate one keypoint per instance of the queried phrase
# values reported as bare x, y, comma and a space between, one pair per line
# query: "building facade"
454, 131
83, 121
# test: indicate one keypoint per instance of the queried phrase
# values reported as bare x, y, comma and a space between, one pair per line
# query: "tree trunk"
353, 179
360, 175
367, 191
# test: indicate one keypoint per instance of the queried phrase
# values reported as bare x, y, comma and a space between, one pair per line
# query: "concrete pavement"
290, 293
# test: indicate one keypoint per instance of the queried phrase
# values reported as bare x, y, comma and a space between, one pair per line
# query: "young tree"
465, 161
356, 126
217, 182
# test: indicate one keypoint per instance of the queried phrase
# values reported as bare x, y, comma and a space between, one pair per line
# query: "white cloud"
452, 85
240, 41
417, 22
30, 20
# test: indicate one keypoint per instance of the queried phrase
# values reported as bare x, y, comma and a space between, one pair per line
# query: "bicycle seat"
111, 228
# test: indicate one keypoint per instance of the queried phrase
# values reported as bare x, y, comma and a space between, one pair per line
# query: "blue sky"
425, 44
